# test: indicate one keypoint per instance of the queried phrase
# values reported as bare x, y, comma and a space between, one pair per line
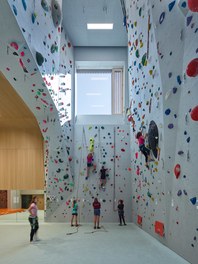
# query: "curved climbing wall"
162, 52
36, 58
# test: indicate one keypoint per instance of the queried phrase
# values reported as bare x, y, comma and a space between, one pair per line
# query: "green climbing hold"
39, 58
137, 54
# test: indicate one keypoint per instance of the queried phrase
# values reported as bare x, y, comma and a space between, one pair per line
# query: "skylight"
99, 26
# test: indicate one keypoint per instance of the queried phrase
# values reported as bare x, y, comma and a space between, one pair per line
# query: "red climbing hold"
14, 45
194, 113
139, 220
192, 68
177, 170
159, 228
193, 5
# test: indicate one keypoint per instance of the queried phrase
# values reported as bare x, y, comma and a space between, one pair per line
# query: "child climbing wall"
111, 150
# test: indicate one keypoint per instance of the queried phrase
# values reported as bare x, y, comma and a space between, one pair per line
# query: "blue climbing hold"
174, 90
33, 17
188, 20
179, 193
183, 4
162, 16
170, 126
167, 112
14, 10
193, 200
24, 5
171, 5
179, 80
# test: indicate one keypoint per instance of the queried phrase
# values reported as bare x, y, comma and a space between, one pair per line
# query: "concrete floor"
112, 244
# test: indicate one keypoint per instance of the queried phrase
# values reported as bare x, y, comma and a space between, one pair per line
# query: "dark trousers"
145, 151
34, 226
121, 218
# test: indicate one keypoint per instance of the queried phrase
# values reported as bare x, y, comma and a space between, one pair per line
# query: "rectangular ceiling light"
99, 25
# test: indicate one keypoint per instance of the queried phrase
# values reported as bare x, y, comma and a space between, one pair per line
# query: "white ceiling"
77, 13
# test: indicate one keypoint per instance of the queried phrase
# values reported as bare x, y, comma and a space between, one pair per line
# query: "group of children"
97, 206
33, 218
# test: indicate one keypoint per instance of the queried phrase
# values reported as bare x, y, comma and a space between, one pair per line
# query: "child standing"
121, 212
33, 219
96, 206
74, 213
145, 151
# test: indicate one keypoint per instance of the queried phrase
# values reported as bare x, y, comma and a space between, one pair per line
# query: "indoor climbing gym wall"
37, 59
109, 145
163, 79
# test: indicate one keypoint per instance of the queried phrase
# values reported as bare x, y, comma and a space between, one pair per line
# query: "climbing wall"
111, 150
162, 53
37, 59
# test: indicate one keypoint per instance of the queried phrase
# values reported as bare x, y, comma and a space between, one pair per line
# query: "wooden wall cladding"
21, 143
21, 159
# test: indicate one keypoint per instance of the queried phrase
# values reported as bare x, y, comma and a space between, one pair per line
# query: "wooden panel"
3, 199
21, 143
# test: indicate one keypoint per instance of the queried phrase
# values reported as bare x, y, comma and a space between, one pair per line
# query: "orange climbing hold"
159, 228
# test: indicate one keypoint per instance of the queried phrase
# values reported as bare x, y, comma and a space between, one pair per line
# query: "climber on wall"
90, 159
144, 150
103, 177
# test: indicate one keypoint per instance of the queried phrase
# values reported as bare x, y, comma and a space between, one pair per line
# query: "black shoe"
94, 227
125, 224
98, 227
120, 224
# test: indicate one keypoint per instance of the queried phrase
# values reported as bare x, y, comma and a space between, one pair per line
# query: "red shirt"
141, 140
96, 205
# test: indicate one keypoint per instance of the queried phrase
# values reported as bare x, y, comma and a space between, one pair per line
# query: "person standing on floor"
74, 213
121, 212
96, 206
33, 219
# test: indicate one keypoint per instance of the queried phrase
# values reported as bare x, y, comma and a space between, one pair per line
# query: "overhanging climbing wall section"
166, 192
36, 56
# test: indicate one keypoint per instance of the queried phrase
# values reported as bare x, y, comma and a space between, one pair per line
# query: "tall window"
99, 92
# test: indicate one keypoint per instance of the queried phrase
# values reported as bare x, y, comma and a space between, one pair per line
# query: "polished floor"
61, 244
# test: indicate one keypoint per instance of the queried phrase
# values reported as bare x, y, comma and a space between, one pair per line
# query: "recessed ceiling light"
99, 25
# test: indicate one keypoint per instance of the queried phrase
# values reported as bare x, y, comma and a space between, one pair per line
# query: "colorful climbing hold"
56, 13
14, 10
39, 58
171, 5
44, 5
162, 16
177, 170
193, 200
24, 4
170, 126
194, 113
192, 68
193, 5
14, 45
167, 112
